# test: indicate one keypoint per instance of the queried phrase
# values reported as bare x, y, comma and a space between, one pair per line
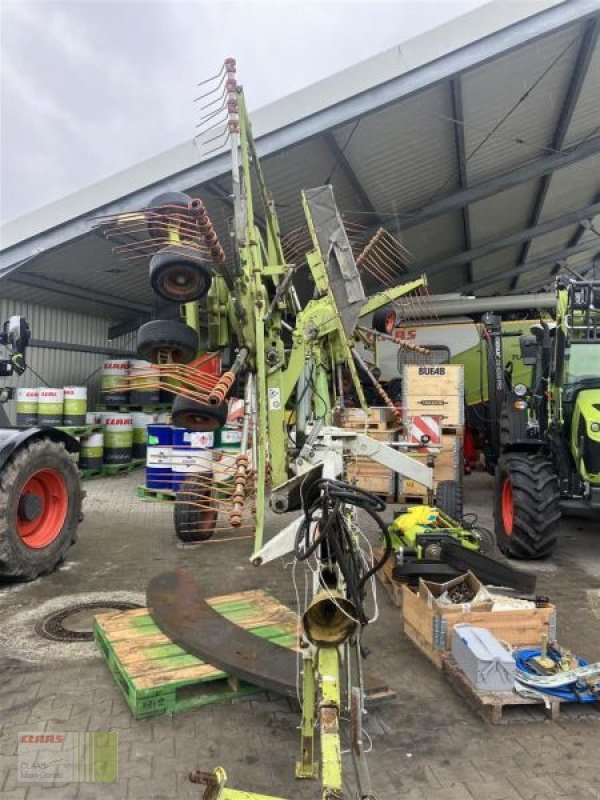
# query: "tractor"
40, 489
545, 444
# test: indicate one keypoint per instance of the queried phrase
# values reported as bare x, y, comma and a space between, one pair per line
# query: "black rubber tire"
198, 416
193, 524
384, 320
535, 504
448, 498
17, 559
179, 275
167, 335
164, 203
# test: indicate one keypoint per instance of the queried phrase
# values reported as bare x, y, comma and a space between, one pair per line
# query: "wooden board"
376, 418
156, 676
492, 706
384, 575
520, 627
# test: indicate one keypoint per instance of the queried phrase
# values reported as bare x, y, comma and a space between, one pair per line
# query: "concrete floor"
427, 745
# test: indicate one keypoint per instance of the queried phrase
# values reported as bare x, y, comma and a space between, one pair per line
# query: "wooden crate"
157, 676
389, 583
434, 389
375, 418
447, 467
430, 628
372, 477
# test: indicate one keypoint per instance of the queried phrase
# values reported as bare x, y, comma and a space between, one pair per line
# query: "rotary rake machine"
288, 360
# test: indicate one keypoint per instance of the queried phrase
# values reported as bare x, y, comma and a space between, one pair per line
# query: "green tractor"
547, 434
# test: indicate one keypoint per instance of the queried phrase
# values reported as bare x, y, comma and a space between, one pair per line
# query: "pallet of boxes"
379, 423
433, 413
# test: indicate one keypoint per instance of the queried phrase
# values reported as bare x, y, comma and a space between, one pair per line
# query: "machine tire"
163, 204
198, 416
41, 471
193, 524
178, 274
384, 320
526, 506
448, 498
167, 335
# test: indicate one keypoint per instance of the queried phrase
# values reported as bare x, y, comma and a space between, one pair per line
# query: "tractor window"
437, 354
583, 361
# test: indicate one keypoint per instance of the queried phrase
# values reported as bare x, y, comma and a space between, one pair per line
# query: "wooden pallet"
80, 430
495, 707
412, 500
156, 676
156, 495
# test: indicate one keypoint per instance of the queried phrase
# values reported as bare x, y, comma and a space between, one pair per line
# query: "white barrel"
141, 373
50, 406
141, 421
164, 418
115, 375
93, 418
75, 407
92, 451
27, 407
118, 437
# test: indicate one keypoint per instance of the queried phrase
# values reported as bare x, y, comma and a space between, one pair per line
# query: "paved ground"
426, 746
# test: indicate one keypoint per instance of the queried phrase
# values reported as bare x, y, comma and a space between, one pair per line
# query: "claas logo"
405, 334
42, 738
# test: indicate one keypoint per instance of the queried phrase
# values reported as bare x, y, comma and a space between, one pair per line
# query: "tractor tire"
448, 498
40, 509
201, 417
384, 320
526, 506
166, 204
178, 274
194, 524
167, 336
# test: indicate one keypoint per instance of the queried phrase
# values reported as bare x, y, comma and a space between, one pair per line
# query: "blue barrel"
192, 455
159, 457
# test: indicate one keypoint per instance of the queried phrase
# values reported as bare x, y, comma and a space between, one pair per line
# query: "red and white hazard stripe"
425, 430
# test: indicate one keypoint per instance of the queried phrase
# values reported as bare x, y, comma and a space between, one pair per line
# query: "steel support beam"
508, 241
549, 258
79, 292
580, 71
544, 165
47, 344
464, 58
578, 235
343, 163
461, 163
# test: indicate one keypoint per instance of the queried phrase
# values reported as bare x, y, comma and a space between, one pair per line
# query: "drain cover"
76, 623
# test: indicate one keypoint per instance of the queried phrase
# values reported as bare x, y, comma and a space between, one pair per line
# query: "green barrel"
50, 406
140, 432
27, 407
75, 406
92, 451
118, 438
115, 377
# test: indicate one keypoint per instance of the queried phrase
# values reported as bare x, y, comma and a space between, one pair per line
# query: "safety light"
520, 390
519, 405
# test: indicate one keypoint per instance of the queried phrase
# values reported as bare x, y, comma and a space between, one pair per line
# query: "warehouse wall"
58, 367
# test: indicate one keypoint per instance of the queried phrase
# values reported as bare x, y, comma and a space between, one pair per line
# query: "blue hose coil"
582, 696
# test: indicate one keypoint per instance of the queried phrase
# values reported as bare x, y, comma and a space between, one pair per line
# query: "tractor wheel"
526, 508
198, 416
384, 320
448, 498
178, 274
40, 509
167, 337
194, 516
164, 205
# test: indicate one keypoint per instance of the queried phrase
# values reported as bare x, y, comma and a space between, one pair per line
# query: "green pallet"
156, 676
79, 430
156, 495
111, 470
143, 409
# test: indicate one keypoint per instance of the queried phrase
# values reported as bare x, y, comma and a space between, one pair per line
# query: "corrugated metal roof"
447, 184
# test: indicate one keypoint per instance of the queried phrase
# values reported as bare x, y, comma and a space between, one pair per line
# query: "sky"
90, 87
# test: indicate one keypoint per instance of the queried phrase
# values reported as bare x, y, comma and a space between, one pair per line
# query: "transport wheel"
526, 507
40, 509
166, 204
195, 515
198, 416
384, 320
170, 338
448, 498
178, 274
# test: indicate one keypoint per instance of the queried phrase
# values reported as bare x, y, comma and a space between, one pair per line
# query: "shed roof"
477, 144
